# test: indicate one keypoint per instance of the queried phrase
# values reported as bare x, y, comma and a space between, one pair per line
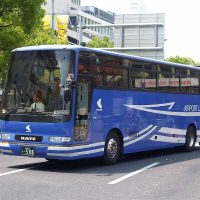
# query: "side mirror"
68, 95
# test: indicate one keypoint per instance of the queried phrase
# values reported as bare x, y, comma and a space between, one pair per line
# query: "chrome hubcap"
112, 148
191, 140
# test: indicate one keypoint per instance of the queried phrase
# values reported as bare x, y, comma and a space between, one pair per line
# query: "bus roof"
98, 50
42, 47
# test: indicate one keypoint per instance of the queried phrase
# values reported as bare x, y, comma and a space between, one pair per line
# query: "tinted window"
194, 81
108, 71
143, 75
168, 79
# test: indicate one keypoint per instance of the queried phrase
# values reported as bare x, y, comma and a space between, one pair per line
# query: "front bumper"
54, 151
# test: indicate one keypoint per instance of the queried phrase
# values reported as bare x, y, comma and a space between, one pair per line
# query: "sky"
182, 22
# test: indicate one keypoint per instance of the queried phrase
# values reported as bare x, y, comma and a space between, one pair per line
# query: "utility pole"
53, 10
80, 33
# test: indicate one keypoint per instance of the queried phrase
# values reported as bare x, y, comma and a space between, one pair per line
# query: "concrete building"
80, 16
140, 34
106, 16
61, 6
144, 38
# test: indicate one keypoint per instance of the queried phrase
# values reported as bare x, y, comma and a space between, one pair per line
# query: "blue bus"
65, 102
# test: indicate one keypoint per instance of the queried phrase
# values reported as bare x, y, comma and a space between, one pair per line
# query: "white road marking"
20, 170
133, 173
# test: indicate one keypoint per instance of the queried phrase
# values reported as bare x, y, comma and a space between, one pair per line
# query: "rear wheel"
112, 148
190, 139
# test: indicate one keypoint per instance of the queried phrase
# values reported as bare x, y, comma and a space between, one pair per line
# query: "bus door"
83, 101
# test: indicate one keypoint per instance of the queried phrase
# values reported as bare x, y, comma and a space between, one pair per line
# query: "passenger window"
108, 72
137, 79
185, 80
150, 76
143, 75
168, 78
194, 81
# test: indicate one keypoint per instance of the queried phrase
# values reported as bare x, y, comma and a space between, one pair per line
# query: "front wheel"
190, 139
112, 149
51, 160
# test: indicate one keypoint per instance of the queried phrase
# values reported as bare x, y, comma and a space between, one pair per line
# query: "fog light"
4, 136
59, 139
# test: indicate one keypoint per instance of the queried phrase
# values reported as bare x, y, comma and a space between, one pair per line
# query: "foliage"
40, 36
17, 13
17, 19
183, 60
21, 25
97, 42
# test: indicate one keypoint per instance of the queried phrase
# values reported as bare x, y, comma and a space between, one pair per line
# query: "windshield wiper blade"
18, 90
6, 115
43, 114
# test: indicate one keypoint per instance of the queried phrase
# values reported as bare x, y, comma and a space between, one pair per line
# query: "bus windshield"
36, 82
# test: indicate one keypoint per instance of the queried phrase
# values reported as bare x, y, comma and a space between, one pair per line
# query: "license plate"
28, 151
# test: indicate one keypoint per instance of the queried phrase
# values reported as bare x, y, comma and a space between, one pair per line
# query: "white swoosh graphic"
173, 131
161, 138
141, 137
170, 104
147, 108
77, 153
138, 133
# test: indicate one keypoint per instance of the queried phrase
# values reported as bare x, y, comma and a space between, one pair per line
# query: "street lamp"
80, 31
52, 3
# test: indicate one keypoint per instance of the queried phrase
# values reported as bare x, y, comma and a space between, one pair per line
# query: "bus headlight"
4, 136
59, 139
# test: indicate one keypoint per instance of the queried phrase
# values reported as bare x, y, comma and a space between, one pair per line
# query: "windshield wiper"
5, 116
18, 90
44, 114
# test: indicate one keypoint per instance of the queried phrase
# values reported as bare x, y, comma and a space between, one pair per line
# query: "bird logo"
28, 129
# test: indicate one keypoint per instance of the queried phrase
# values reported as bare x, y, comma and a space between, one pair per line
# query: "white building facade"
79, 16
140, 34
144, 38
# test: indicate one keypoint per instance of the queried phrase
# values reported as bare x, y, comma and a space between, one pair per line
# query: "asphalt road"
157, 175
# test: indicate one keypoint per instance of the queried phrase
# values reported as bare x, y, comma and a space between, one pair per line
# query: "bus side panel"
146, 120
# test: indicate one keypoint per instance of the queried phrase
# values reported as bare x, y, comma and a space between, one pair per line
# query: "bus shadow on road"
127, 164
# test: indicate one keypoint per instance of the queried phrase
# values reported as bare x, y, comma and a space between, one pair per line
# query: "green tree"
183, 60
20, 25
97, 42
20, 13
18, 18
41, 36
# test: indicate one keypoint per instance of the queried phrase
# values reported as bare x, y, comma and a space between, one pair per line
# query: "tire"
51, 160
190, 139
112, 149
